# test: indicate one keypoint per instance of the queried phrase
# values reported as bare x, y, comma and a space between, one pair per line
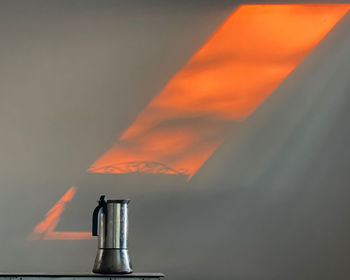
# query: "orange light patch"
46, 229
242, 63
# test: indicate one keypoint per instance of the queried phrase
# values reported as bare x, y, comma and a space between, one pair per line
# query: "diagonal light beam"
46, 228
242, 63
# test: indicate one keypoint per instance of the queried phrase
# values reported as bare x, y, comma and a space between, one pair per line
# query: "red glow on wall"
242, 63
46, 228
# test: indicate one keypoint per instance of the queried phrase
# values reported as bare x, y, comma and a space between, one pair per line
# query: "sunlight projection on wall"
240, 65
46, 229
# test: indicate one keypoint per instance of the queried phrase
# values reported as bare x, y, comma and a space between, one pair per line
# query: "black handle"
102, 206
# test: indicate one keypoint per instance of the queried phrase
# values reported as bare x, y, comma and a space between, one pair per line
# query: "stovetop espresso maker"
110, 224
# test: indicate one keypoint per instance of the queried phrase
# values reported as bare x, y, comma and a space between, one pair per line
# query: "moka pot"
110, 224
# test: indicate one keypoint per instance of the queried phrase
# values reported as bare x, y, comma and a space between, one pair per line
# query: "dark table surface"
83, 275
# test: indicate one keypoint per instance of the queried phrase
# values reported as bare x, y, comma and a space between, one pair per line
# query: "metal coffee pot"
110, 224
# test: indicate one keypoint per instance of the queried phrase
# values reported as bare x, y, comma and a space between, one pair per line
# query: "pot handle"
101, 207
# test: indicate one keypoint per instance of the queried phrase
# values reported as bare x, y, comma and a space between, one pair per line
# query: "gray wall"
271, 203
